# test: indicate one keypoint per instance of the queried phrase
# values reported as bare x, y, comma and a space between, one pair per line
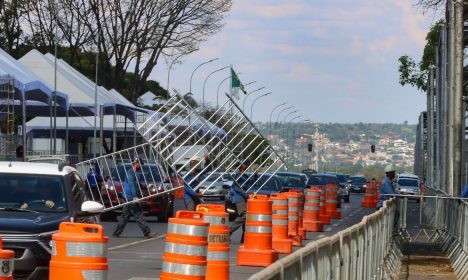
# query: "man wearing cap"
133, 209
386, 188
191, 198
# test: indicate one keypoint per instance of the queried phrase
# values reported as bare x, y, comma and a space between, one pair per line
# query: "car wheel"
346, 199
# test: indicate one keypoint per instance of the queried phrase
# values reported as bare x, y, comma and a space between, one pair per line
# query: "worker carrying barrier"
312, 211
218, 240
323, 216
293, 218
6, 263
257, 249
368, 200
79, 251
332, 201
186, 247
281, 242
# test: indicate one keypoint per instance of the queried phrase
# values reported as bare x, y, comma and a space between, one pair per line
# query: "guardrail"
449, 216
366, 250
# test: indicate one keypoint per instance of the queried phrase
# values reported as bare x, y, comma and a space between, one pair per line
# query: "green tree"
415, 73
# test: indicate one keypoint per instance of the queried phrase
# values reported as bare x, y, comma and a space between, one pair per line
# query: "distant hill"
339, 132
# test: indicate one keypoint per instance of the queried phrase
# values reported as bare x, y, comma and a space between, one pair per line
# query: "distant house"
150, 99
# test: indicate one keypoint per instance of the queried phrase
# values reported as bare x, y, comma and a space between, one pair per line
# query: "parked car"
309, 172
291, 180
344, 185
265, 183
408, 186
358, 184
28, 219
215, 185
321, 180
152, 179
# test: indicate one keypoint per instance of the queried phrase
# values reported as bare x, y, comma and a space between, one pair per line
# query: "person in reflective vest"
134, 208
191, 197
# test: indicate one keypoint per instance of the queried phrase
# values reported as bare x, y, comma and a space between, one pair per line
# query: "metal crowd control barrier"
226, 135
364, 251
176, 133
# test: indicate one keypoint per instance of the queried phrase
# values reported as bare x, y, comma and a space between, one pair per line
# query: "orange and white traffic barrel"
368, 200
323, 216
281, 242
311, 211
300, 227
332, 201
79, 251
257, 249
7, 258
217, 267
293, 218
376, 196
186, 247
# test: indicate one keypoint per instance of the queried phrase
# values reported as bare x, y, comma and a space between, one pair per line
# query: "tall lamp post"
247, 95
170, 68
287, 136
294, 142
287, 128
277, 121
200, 65
253, 103
271, 114
204, 85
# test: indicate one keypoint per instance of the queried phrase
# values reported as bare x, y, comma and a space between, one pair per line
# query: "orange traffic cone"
186, 247
293, 218
6, 263
376, 194
332, 201
281, 242
323, 216
368, 200
312, 210
257, 249
79, 251
218, 241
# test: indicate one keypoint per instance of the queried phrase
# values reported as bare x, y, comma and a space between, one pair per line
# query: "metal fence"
366, 250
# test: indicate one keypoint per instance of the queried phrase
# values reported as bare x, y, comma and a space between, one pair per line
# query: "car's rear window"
31, 191
358, 179
320, 180
408, 182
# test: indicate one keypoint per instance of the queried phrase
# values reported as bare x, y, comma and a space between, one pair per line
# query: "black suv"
35, 198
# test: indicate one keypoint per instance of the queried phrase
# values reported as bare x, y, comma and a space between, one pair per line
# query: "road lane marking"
135, 243
321, 235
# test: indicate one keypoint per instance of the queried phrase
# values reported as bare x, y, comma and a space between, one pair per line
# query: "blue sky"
335, 61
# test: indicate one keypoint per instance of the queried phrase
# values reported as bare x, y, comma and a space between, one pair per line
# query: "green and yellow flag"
236, 85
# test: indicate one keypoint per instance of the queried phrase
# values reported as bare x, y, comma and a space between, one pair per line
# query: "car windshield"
30, 192
341, 178
318, 180
268, 183
360, 180
290, 180
149, 172
213, 177
408, 183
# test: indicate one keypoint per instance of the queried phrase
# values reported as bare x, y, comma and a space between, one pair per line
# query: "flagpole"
230, 88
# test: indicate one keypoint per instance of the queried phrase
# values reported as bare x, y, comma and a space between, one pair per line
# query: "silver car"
214, 186
408, 186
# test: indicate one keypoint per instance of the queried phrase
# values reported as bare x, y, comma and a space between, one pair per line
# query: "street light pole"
271, 114
247, 95
255, 100
287, 132
193, 72
277, 121
204, 85
170, 68
294, 142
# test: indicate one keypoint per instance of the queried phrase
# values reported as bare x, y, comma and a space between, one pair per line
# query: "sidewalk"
421, 258
425, 261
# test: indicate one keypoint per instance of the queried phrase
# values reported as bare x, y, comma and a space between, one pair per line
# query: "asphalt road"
133, 257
